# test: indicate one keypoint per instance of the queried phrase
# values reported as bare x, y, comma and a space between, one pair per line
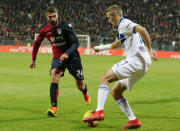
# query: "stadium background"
20, 22
24, 95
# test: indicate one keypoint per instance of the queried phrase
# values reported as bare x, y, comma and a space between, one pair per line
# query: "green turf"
24, 96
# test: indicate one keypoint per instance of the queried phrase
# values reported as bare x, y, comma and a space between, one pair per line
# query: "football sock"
124, 106
54, 93
103, 92
85, 89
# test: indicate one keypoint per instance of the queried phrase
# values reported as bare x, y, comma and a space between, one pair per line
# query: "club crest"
59, 31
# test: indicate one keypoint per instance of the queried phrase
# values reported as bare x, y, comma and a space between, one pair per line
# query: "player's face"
52, 18
112, 19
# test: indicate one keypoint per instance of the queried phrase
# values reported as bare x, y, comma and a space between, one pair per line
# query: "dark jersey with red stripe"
62, 38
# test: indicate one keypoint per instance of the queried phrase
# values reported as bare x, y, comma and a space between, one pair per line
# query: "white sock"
103, 92
124, 106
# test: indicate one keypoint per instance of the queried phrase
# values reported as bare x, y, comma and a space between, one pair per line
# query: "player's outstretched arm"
145, 35
114, 45
33, 64
36, 46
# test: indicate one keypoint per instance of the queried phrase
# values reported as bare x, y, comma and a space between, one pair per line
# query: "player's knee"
117, 91
113, 92
55, 79
116, 94
104, 79
55, 75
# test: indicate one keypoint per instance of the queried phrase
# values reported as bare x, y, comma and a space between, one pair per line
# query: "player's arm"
36, 46
75, 44
145, 35
114, 45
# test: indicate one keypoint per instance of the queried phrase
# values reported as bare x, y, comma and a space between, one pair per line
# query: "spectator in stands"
161, 17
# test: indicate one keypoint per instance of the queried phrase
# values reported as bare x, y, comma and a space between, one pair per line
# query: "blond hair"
114, 8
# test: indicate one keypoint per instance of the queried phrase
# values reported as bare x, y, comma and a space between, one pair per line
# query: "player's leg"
117, 93
119, 71
56, 71
54, 90
83, 88
76, 70
103, 92
112, 75
109, 77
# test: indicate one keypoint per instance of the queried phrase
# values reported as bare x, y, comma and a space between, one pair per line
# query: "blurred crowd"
20, 20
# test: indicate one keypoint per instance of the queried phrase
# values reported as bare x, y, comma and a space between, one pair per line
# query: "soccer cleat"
96, 116
87, 98
132, 124
52, 112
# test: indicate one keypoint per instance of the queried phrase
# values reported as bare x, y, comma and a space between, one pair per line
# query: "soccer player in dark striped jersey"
64, 43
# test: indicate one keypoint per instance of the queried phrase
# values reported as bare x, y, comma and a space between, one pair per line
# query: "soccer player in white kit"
128, 71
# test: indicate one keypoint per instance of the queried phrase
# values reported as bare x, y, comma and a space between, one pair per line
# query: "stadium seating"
161, 18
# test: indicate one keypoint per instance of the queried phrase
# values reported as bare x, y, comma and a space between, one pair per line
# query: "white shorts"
130, 70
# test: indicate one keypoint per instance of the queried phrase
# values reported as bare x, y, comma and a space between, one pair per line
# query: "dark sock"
85, 90
54, 93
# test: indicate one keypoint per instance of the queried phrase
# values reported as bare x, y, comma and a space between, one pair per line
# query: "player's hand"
153, 55
33, 64
64, 57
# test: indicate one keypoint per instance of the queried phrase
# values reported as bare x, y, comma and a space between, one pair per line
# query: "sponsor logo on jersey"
59, 38
59, 44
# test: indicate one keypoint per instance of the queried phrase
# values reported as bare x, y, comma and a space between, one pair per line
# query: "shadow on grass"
23, 119
160, 117
22, 114
103, 126
161, 101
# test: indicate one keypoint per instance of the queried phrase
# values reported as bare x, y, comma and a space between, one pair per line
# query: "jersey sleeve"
126, 29
73, 40
37, 44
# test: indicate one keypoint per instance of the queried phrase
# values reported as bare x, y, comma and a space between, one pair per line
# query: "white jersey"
133, 45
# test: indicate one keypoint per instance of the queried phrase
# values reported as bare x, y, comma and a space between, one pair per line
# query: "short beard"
53, 23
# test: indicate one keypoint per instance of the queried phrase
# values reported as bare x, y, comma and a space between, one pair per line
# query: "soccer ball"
90, 123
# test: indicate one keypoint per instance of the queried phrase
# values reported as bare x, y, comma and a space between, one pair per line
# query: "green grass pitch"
24, 96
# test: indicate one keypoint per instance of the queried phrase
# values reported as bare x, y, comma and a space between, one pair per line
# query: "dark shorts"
73, 65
